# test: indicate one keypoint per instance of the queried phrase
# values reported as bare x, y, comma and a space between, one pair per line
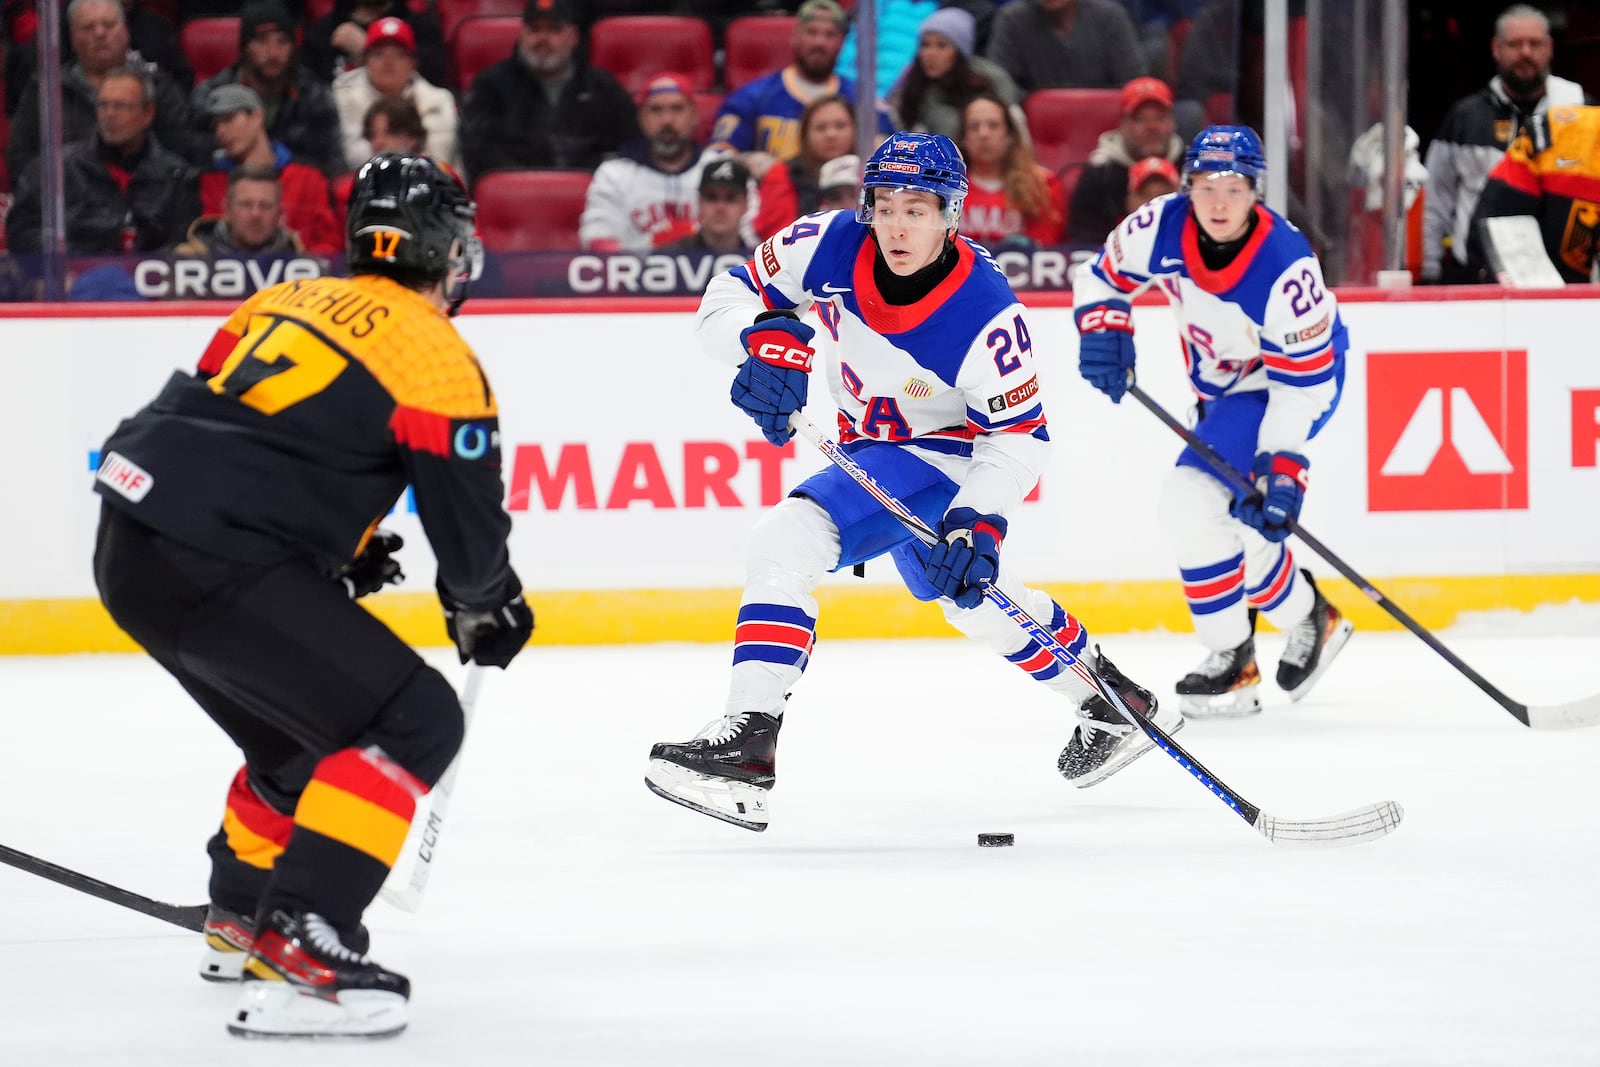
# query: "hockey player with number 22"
1265, 346
938, 400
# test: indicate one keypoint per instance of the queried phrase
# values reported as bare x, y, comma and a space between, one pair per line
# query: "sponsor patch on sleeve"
1310, 332
769, 258
1011, 398
124, 477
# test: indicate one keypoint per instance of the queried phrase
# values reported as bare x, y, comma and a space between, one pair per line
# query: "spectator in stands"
100, 45
251, 223
150, 33
1149, 178
298, 106
898, 24
391, 70
1147, 129
936, 86
1476, 132
839, 184
791, 187
761, 120
240, 125
648, 195
724, 200
393, 124
337, 42
545, 106
1011, 199
123, 191
1072, 44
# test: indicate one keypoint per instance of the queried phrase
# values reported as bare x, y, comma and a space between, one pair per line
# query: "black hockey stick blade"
1362, 824
189, 916
1571, 716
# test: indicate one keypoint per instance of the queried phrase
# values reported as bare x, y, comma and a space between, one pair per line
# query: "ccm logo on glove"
1105, 318
780, 354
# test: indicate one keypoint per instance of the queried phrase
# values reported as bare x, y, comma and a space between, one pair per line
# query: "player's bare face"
984, 137
831, 132
909, 225
816, 48
1222, 204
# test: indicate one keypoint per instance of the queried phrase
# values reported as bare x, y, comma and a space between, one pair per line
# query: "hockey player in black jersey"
238, 524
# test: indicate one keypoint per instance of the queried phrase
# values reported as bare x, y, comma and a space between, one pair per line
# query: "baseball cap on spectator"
727, 173
666, 82
390, 30
824, 9
554, 10
232, 98
954, 25
1151, 167
268, 16
1143, 91
843, 172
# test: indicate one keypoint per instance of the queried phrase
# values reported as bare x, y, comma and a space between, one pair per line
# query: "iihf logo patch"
917, 389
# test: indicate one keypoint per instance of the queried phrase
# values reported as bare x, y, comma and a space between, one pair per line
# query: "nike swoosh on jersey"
1168, 261
829, 287
1562, 161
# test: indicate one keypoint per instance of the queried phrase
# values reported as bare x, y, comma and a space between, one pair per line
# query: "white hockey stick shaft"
409, 878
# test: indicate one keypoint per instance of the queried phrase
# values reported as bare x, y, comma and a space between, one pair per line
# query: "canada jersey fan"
336, 380
906, 376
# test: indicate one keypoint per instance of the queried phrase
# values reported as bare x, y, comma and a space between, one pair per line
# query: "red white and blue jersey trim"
1214, 587
774, 633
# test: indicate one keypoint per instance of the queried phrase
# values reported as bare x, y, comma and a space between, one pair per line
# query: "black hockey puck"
996, 840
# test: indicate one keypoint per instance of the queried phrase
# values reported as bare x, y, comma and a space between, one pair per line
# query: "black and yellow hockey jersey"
1557, 181
313, 407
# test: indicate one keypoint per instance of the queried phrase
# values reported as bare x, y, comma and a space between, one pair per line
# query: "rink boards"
1459, 474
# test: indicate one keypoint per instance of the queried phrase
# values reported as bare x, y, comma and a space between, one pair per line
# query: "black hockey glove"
376, 567
489, 638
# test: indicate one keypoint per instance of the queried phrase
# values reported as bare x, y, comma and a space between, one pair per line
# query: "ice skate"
1223, 686
1313, 642
725, 771
1104, 742
301, 981
230, 936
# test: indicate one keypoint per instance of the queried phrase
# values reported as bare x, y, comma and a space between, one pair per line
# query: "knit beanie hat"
955, 25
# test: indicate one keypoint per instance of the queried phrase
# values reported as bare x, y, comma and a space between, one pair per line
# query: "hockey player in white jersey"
935, 383
1264, 345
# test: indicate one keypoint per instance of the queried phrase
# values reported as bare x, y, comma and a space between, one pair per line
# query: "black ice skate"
1223, 686
230, 936
1104, 742
725, 772
1313, 642
300, 980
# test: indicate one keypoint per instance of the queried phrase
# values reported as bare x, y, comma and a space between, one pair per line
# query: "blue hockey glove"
1280, 479
1105, 347
375, 567
489, 637
967, 555
771, 384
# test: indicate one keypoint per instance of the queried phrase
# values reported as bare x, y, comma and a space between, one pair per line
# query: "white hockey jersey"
1266, 321
953, 375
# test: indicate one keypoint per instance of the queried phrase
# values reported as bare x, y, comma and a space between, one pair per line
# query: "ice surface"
574, 919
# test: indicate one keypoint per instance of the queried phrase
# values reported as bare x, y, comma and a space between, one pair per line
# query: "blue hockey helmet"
926, 162
1226, 150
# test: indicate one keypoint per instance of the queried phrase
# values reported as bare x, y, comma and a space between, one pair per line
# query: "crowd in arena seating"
204, 126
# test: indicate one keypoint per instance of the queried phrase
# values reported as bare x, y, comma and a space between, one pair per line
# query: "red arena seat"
756, 45
531, 210
210, 45
706, 104
481, 42
453, 13
635, 48
1066, 123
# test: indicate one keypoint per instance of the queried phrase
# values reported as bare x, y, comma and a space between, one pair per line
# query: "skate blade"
222, 966
1124, 756
279, 1011
1234, 704
1336, 642
731, 802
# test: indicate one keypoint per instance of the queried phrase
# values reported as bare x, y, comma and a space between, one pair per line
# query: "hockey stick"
1374, 820
405, 892
190, 917
1578, 713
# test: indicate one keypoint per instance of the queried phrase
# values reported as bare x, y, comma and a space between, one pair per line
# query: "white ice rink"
574, 919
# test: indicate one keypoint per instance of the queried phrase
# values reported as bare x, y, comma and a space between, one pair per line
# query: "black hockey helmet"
411, 218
